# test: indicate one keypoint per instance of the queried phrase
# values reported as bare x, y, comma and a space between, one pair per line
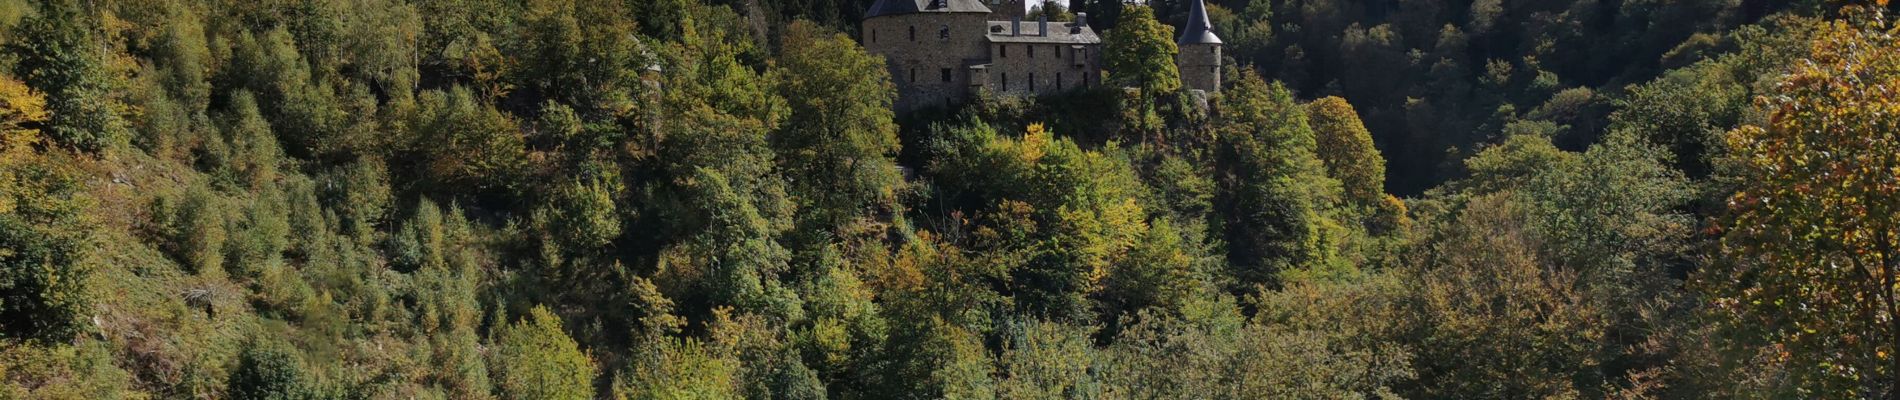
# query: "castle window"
1005, 82
873, 36
1032, 50
946, 74
1058, 81
943, 33
1003, 50
913, 33
1032, 81
913, 74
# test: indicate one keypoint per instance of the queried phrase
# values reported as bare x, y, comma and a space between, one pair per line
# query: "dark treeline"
667, 199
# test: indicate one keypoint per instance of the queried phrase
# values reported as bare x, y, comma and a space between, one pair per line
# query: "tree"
1047, 360
42, 284
1156, 272
59, 56
838, 157
255, 152
1140, 52
22, 109
534, 359
467, 146
194, 223
1483, 293
1271, 186
680, 369
304, 107
1049, 9
1813, 246
1346, 148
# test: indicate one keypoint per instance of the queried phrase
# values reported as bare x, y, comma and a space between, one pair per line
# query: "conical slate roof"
895, 7
1198, 30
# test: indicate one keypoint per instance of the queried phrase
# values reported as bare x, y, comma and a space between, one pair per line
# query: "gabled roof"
896, 7
1198, 30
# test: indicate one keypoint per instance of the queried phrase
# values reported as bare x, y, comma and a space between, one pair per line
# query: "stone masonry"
940, 52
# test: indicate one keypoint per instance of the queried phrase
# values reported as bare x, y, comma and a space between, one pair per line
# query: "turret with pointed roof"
1198, 30
1200, 60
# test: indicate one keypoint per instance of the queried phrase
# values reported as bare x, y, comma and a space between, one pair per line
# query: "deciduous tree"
838, 156
1814, 241
535, 359
1140, 52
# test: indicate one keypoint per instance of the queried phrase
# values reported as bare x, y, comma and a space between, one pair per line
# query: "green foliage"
44, 282
271, 372
1580, 242
585, 214
736, 258
1058, 217
45, 245
1271, 187
305, 108
710, 198
1157, 272
580, 52
1140, 51
1487, 294
466, 146
1322, 340
60, 371
421, 242
1045, 360
257, 234
58, 54
1346, 148
680, 370
839, 158
255, 155
359, 195
194, 225
535, 359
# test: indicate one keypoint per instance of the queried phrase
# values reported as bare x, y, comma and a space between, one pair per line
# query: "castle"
939, 52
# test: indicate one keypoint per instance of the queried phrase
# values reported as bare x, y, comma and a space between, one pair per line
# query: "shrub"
42, 283
269, 372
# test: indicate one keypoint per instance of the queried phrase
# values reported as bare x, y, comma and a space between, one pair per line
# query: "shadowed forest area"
674, 199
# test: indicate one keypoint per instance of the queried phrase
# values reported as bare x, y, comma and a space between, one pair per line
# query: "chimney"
1042, 25
1015, 26
1081, 20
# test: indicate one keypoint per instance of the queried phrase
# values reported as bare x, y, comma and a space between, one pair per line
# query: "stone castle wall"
930, 67
1042, 68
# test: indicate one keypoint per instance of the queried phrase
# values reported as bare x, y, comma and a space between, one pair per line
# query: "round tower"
1199, 60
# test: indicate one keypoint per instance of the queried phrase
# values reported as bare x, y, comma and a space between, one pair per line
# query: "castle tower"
1199, 61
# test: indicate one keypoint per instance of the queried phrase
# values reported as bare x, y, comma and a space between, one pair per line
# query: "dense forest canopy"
671, 199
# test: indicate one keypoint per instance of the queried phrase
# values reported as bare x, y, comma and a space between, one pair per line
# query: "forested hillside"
670, 199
